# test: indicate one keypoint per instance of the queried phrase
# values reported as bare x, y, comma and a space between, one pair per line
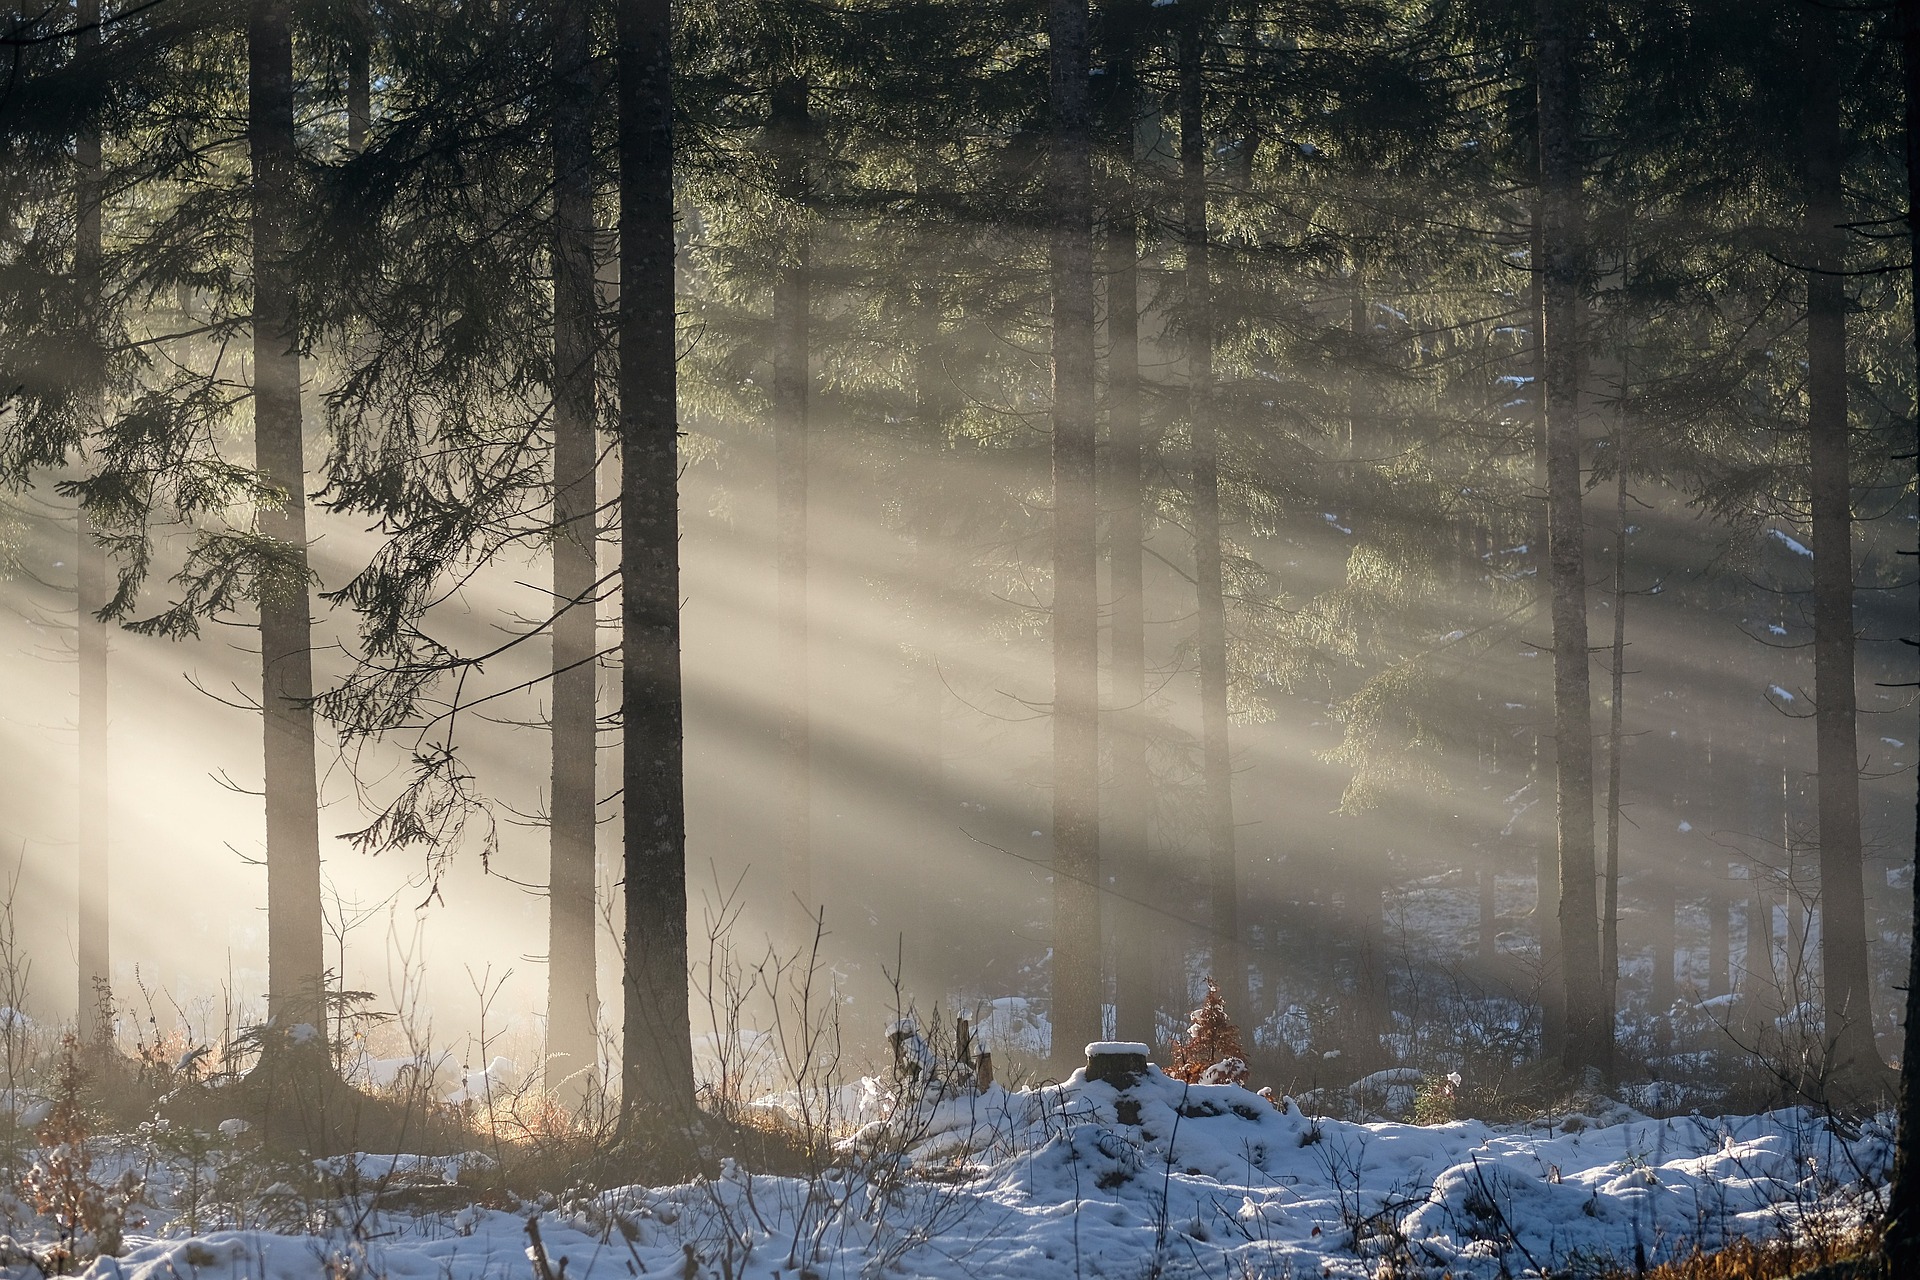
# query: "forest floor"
1074, 1180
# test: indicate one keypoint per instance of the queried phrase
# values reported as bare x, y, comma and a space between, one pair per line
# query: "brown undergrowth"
1848, 1255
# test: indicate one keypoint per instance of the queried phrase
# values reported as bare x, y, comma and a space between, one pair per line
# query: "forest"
959, 638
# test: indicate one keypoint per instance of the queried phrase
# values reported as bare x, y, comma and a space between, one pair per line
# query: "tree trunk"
92, 592
573, 1000
360, 74
1903, 1198
1126, 533
1546, 900
792, 305
295, 957
1588, 1036
1610, 915
1076, 773
1216, 770
656, 1065
1843, 940
929, 917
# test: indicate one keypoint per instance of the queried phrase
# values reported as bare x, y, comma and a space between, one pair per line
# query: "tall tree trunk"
1903, 1199
1076, 693
295, 956
92, 592
656, 1063
360, 74
1589, 1038
1216, 770
1853, 1059
792, 306
1610, 915
573, 997
1546, 903
929, 915
1126, 534
1362, 868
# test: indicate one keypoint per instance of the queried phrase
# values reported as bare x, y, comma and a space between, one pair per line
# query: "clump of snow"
1792, 544
381, 1074
1116, 1048
493, 1082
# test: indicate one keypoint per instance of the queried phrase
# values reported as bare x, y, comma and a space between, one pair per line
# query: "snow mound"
1084, 1179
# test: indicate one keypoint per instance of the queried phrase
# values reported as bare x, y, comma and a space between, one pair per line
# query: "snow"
1779, 693
1792, 544
1117, 1049
1086, 1180
496, 1080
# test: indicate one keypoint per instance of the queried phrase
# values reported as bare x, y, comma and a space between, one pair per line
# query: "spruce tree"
1077, 986
295, 985
656, 1075
573, 1005
91, 938
1846, 991
1589, 1036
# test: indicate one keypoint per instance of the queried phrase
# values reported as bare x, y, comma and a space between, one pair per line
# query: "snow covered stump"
1118, 1062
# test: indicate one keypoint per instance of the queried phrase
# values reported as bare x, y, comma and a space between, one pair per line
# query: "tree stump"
1118, 1062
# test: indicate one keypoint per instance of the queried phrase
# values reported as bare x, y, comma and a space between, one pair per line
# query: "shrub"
1211, 1052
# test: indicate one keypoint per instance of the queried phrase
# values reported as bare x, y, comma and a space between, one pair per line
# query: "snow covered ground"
1086, 1180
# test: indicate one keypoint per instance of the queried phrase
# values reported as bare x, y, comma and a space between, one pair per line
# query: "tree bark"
1903, 1197
1852, 1057
1610, 915
1134, 1003
1216, 770
1076, 773
792, 306
295, 955
93, 589
1546, 904
360, 74
1588, 1035
573, 998
929, 917
657, 1048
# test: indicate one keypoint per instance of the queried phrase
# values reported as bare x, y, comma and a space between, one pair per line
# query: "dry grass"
1852, 1254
